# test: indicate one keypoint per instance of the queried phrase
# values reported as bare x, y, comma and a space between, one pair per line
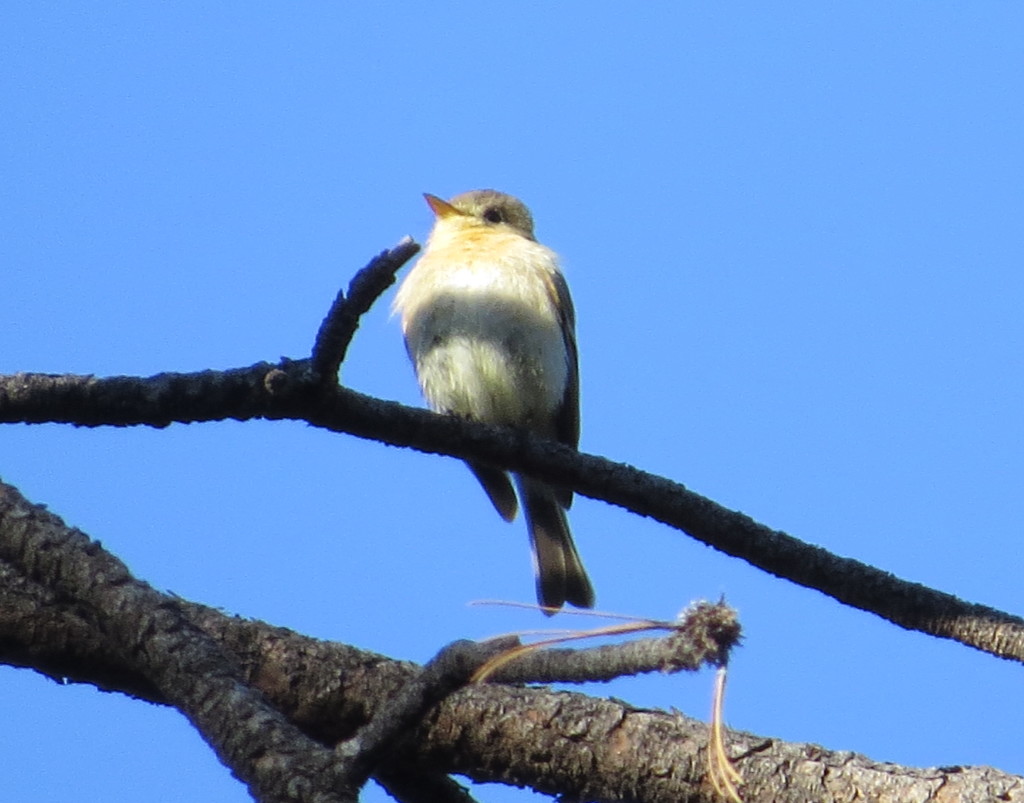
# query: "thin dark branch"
286, 391
338, 328
907, 604
451, 669
407, 786
296, 390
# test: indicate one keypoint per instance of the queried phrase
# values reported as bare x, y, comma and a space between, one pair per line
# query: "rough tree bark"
298, 719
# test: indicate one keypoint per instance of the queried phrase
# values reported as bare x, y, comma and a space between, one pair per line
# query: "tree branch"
102, 626
149, 632
450, 670
288, 391
703, 635
338, 328
599, 750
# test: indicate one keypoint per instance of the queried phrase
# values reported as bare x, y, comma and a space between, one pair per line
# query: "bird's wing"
567, 417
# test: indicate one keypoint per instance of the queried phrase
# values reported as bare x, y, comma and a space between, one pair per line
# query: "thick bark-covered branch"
100, 625
150, 633
595, 749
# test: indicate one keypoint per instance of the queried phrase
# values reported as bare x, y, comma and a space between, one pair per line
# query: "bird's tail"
498, 487
561, 577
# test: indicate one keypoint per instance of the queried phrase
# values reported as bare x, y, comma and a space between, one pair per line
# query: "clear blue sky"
793, 234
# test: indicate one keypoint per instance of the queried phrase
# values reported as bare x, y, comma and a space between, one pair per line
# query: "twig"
338, 328
451, 669
703, 635
409, 786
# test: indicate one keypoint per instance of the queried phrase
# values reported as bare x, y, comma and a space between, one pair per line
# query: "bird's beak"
442, 208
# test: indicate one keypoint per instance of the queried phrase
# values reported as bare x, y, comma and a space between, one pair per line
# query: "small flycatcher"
490, 328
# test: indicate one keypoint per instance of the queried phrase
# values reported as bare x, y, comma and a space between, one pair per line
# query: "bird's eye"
493, 215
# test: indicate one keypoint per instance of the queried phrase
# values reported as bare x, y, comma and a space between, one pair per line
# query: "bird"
489, 326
